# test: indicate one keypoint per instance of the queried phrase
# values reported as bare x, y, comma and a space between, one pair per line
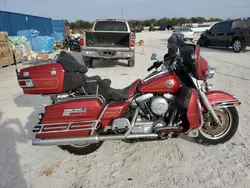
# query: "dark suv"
235, 33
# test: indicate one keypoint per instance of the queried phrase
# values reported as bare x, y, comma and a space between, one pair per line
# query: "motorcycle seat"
126, 93
106, 91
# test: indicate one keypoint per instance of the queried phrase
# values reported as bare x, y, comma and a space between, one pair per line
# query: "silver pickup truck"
109, 39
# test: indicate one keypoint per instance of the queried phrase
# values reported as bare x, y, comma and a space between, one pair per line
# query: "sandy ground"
173, 163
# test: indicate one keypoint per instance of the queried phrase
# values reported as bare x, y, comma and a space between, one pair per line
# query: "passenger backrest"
70, 64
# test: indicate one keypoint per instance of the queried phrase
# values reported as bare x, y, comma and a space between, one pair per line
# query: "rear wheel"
89, 63
131, 62
237, 45
84, 149
212, 134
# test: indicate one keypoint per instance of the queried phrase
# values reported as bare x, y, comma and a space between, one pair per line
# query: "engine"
154, 105
152, 114
159, 105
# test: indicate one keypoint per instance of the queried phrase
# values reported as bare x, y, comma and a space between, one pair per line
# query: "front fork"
204, 88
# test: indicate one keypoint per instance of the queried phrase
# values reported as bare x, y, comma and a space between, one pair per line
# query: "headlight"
211, 72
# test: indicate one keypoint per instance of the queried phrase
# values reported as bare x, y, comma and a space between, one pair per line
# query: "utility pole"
4, 4
4, 1
122, 12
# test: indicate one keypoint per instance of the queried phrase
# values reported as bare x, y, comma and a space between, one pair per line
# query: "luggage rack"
100, 97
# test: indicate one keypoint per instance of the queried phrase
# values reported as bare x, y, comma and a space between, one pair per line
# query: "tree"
81, 24
66, 22
215, 19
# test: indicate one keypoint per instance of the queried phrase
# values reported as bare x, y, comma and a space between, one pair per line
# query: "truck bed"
107, 39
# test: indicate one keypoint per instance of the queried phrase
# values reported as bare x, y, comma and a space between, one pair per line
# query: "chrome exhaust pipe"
88, 139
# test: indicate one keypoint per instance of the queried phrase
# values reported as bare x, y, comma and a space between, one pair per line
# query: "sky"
132, 9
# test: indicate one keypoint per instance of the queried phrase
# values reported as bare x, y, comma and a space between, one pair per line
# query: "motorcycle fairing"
186, 102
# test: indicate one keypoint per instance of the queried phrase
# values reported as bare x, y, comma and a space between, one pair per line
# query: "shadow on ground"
37, 103
11, 132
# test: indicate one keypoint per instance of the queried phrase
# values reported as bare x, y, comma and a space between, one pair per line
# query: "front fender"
220, 98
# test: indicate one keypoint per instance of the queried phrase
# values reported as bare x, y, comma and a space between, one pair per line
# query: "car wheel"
131, 62
237, 45
89, 63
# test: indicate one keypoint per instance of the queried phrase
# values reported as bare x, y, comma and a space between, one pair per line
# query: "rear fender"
221, 99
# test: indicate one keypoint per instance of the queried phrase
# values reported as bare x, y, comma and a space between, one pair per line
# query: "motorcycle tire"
232, 126
82, 149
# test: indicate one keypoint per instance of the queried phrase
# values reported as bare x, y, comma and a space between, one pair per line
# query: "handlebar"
168, 61
155, 65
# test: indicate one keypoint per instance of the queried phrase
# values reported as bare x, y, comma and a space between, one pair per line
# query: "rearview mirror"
153, 56
208, 31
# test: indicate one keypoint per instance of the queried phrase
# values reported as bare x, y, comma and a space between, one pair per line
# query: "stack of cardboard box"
5, 52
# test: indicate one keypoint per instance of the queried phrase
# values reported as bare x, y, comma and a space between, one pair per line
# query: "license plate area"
107, 53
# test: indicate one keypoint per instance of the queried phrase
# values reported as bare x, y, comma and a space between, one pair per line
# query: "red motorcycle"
165, 104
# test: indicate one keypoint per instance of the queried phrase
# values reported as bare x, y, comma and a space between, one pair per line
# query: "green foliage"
81, 24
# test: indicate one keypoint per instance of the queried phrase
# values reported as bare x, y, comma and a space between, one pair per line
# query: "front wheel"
212, 134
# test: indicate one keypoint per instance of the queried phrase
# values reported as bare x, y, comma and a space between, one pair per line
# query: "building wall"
13, 22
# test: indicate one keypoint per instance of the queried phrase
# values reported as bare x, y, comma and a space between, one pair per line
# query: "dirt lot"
173, 163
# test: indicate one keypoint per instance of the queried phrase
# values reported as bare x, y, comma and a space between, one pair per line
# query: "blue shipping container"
58, 26
14, 22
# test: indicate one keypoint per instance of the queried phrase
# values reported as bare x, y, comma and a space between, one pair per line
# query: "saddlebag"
69, 118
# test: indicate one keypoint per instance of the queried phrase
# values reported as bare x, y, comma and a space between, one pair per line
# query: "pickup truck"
109, 39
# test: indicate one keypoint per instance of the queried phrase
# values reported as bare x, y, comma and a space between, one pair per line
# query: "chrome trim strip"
66, 125
153, 76
100, 97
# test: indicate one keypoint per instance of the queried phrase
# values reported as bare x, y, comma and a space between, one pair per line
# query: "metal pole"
4, 1
122, 12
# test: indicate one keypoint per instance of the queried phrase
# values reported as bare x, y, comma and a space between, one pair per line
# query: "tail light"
111, 20
132, 39
25, 83
81, 42
132, 42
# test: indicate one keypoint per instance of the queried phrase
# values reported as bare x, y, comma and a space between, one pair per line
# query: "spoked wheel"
212, 134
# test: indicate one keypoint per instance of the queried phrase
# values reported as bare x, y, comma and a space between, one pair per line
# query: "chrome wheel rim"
80, 145
237, 45
214, 132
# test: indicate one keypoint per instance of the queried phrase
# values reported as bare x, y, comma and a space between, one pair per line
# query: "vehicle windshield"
186, 29
110, 26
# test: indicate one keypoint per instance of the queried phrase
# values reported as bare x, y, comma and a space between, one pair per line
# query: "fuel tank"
166, 83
